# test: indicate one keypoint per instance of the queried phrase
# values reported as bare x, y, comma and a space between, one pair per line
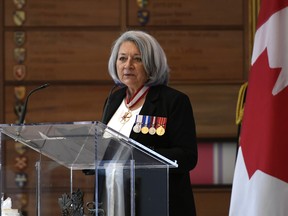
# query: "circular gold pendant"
144, 130
160, 131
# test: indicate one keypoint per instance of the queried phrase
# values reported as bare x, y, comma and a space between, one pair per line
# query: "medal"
161, 122
125, 118
145, 129
152, 129
160, 131
137, 126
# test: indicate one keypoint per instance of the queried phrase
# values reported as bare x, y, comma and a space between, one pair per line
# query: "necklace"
130, 102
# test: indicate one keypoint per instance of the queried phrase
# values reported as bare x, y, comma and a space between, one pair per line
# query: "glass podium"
87, 168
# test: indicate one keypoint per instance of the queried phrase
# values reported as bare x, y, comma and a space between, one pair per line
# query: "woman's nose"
129, 63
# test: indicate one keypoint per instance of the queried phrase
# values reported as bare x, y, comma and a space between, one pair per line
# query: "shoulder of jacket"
119, 92
167, 90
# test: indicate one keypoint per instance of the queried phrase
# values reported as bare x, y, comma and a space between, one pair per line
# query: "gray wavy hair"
153, 57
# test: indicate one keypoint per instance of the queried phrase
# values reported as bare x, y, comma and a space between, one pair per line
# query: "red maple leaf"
264, 135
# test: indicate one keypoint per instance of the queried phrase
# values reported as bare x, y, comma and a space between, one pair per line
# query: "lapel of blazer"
116, 100
149, 105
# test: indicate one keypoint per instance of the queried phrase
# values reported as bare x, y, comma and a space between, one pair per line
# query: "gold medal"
145, 121
160, 131
161, 125
144, 130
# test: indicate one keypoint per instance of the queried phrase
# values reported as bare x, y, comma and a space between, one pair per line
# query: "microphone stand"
23, 113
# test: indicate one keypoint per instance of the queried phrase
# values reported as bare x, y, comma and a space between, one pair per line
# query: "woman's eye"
138, 59
122, 58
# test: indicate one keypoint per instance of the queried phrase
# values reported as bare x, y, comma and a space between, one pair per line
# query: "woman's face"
129, 66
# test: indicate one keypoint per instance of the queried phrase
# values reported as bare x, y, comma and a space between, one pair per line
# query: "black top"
178, 142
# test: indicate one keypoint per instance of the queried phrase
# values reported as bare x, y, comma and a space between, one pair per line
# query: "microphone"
23, 113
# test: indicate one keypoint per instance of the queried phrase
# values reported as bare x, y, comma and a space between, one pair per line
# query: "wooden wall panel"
187, 12
214, 108
64, 13
61, 55
60, 103
212, 202
203, 55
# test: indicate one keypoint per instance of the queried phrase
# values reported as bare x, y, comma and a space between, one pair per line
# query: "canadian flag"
260, 182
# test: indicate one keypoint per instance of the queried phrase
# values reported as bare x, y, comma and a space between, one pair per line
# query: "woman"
153, 114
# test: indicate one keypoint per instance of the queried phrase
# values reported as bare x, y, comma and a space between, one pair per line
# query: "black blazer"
178, 143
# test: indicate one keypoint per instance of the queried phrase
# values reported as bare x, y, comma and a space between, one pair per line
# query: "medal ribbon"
161, 121
136, 97
146, 121
139, 119
153, 121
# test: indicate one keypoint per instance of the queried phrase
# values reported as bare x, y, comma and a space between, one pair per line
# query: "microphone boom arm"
23, 113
